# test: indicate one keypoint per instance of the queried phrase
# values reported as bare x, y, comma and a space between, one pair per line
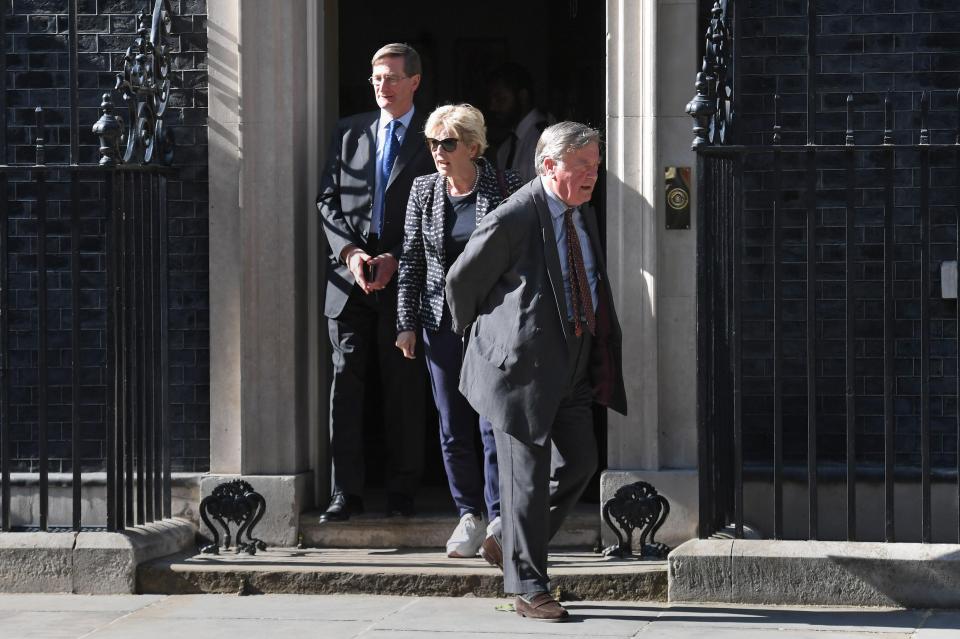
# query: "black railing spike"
957, 141
887, 120
41, 135
776, 118
924, 109
849, 138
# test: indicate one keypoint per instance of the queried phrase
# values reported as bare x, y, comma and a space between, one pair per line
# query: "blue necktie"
391, 146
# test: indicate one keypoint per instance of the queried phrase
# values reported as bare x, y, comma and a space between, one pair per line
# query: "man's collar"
404, 119
554, 203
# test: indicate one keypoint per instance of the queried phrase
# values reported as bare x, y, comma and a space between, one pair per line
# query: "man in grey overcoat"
543, 344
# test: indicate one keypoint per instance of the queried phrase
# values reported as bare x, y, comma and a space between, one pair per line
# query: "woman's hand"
407, 342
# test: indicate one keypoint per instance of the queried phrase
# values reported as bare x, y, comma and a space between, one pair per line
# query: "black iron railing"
818, 306
113, 217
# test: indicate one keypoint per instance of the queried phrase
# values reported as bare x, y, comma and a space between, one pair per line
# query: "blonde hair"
411, 59
464, 120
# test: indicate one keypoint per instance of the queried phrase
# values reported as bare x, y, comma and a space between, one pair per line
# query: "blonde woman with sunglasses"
443, 210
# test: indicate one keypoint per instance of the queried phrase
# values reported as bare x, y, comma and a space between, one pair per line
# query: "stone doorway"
562, 45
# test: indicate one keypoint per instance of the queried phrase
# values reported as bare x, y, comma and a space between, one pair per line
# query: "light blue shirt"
401, 132
557, 207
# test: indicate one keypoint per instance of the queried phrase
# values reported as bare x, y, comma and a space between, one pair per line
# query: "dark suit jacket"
507, 287
420, 298
346, 195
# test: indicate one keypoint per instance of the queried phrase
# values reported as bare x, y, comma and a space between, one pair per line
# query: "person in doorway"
544, 343
372, 161
512, 111
443, 211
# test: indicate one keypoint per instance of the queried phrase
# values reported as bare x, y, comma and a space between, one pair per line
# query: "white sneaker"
467, 537
493, 528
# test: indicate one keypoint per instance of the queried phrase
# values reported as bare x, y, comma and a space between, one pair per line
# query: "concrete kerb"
87, 562
815, 573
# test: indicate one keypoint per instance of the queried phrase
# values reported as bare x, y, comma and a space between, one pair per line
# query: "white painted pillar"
651, 50
267, 387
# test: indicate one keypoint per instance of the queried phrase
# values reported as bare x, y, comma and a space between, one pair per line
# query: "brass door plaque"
677, 196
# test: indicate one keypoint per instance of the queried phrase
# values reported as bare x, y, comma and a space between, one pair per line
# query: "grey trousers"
540, 485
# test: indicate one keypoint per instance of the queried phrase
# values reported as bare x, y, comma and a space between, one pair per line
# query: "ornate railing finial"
144, 85
108, 128
712, 106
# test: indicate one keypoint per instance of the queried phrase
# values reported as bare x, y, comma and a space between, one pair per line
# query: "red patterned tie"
580, 296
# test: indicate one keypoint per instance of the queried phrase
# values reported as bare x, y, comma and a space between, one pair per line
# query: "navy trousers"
470, 487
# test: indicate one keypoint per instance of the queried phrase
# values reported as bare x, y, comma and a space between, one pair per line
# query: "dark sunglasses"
449, 145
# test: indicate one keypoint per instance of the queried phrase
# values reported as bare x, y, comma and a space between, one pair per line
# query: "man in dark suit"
371, 164
530, 290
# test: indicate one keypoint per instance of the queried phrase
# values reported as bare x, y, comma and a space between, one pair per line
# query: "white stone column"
266, 100
651, 50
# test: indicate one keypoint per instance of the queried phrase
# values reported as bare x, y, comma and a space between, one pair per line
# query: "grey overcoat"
507, 289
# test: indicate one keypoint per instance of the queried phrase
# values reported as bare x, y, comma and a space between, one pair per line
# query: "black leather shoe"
400, 505
341, 507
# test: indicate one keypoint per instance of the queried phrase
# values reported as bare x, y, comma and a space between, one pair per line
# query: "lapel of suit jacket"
483, 191
438, 215
551, 255
369, 164
412, 142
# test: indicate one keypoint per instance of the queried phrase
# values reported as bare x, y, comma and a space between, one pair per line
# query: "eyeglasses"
388, 79
449, 144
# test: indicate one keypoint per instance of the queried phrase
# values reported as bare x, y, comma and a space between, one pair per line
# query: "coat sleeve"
338, 232
486, 257
413, 266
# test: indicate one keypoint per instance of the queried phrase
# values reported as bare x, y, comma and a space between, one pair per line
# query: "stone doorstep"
581, 530
827, 573
579, 575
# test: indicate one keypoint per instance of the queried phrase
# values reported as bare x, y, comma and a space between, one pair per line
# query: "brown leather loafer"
543, 607
491, 551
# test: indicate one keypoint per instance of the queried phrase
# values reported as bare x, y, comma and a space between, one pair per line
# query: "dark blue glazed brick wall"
36, 50
864, 47
867, 48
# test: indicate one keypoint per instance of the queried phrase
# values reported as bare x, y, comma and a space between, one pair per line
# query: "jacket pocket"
488, 349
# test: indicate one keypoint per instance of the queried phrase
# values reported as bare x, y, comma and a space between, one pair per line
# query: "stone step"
385, 571
581, 530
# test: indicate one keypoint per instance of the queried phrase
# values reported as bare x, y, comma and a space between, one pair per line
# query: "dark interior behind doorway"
561, 44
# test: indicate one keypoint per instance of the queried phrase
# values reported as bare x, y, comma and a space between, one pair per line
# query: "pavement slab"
391, 617
720, 616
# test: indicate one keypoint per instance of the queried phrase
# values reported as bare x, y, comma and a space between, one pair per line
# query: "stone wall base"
826, 573
678, 486
87, 562
25, 496
286, 496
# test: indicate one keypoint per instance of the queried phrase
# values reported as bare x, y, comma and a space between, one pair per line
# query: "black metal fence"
824, 329
93, 325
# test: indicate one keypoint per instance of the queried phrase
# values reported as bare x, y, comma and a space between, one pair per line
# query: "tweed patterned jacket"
423, 264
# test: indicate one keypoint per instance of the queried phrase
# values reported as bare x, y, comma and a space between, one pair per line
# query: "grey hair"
411, 59
558, 139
